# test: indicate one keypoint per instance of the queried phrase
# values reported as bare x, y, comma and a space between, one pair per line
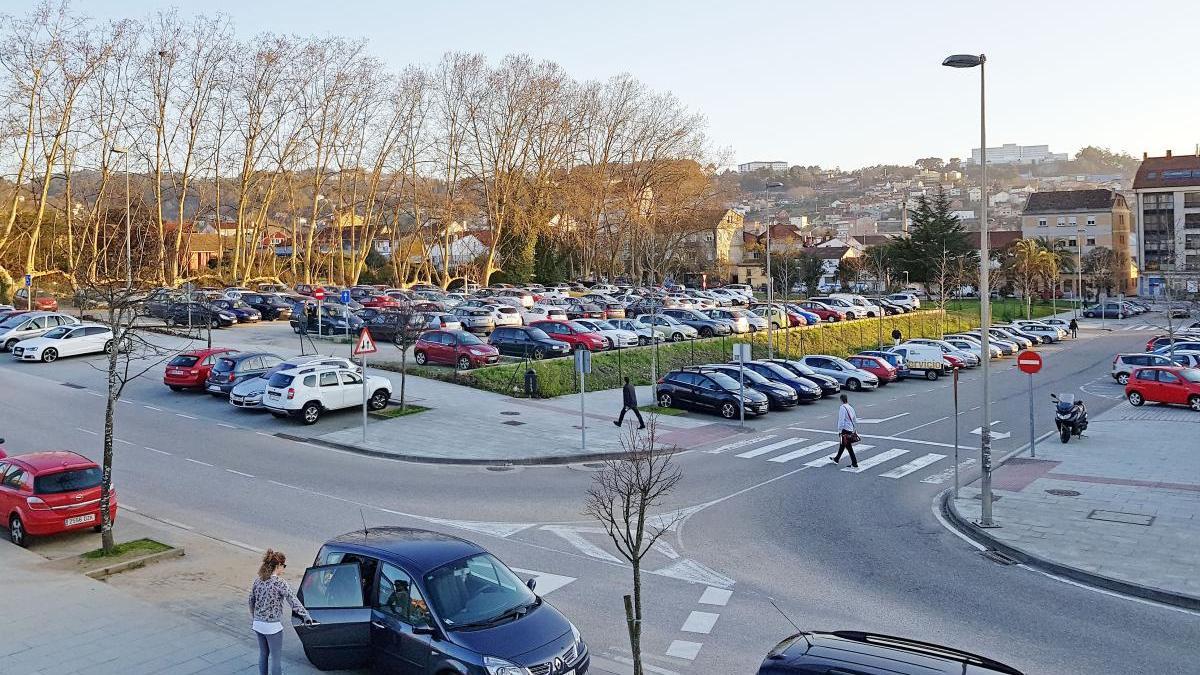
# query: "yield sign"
365, 344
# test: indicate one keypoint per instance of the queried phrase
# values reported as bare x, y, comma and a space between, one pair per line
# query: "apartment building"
1082, 220
1011, 153
751, 167
1167, 190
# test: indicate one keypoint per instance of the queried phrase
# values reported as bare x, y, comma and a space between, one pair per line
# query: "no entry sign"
1029, 362
319, 293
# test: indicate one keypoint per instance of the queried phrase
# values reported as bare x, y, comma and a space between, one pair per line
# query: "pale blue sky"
847, 83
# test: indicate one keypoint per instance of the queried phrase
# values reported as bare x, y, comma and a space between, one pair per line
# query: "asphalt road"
764, 520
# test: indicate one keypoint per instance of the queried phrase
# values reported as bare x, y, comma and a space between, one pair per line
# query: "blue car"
895, 359
414, 601
812, 319
828, 385
776, 373
244, 312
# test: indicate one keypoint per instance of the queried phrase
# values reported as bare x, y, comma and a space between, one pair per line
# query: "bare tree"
408, 327
622, 497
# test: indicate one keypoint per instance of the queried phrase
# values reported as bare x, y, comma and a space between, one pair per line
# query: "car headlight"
498, 666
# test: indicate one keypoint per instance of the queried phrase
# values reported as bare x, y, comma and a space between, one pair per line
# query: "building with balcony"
1167, 191
1011, 153
1080, 221
751, 167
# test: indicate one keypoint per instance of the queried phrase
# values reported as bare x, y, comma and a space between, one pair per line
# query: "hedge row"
557, 377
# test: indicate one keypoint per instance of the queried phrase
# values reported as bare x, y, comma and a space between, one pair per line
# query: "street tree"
408, 326
936, 234
809, 270
624, 496
1027, 265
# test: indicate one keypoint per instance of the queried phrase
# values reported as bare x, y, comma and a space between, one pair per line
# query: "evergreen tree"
936, 235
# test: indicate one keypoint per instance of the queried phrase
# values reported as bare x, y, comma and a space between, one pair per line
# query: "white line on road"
196, 461
121, 440
227, 426
127, 507
700, 622
715, 596
546, 582
263, 433
241, 544
175, 523
807, 450
150, 407
96, 394
771, 448
682, 649
573, 537
920, 426
825, 461
915, 465
247, 475
882, 438
86, 431
946, 474
876, 460
739, 444
189, 417
161, 452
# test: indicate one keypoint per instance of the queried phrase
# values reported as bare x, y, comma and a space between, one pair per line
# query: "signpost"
956, 433
365, 345
583, 366
319, 294
1030, 362
344, 296
29, 291
741, 354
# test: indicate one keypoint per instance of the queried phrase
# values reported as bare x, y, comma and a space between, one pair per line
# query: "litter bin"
531, 383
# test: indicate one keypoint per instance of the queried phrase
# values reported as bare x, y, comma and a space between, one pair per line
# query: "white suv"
307, 393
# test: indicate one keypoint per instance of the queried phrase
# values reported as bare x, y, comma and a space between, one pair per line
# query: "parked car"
1006, 347
189, 370
926, 359
21, 325
231, 369
843, 305
828, 385
876, 366
1107, 310
782, 388
776, 317
708, 391
43, 493
527, 342
906, 298
848, 375
973, 347
968, 359
415, 601
893, 359
734, 318
505, 315
441, 321
475, 319
67, 341
307, 393
1034, 339
704, 325
270, 306
613, 336
1166, 349
455, 347
248, 394
1188, 359
543, 312
1165, 384
42, 300
810, 318
240, 310
574, 334
860, 653
1021, 341
189, 314
1123, 365
330, 320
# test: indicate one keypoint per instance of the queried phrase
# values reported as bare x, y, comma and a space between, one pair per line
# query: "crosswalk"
1141, 326
900, 462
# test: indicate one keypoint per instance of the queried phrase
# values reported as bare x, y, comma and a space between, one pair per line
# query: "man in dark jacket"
629, 402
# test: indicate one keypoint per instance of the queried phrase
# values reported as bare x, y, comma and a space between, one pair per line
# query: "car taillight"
193, 372
291, 393
36, 504
231, 377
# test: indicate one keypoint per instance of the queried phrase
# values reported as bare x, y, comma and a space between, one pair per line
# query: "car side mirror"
431, 631
532, 583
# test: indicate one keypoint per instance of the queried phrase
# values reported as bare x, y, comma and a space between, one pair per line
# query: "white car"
973, 346
543, 312
1037, 328
505, 315
307, 394
906, 298
249, 393
606, 289
851, 310
65, 341
27, 325
615, 337
736, 318
645, 332
969, 357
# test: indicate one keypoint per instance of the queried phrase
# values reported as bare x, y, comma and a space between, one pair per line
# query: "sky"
839, 84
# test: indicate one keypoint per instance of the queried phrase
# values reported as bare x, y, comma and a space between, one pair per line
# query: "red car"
822, 310
954, 361
50, 492
574, 334
885, 371
456, 347
42, 300
1165, 384
190, 369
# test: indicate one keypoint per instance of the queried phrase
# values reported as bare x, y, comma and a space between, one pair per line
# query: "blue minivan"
414, 601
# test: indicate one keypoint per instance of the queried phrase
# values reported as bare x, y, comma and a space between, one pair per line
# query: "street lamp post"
770, 281
1078, 269
985, 309
119, 150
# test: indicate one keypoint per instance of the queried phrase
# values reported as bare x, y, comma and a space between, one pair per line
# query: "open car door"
333, 595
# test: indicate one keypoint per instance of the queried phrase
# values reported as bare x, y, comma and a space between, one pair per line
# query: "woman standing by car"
267, 596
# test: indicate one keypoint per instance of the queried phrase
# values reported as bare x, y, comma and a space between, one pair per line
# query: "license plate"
174, 372
213, 387
79, 520
272, 394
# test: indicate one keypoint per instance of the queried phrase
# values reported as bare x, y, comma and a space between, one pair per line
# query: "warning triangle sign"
365, 344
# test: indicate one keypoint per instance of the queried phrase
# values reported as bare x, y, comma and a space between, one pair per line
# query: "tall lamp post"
770, 280
985, 309
120, 150
1079, 235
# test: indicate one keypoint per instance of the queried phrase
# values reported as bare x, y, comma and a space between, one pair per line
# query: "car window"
1137, 360
477, 589
38, 323
1146, 375
332, 586
349, 377
15, 478
68, 481
1169, 378
329, 379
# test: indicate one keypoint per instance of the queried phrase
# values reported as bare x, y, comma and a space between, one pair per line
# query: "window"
351, 378
1041, 222
68, 481
1192, 241
1062, 221
1191, 221
1091, 241
1191, 200
14, 478
1091, 221
332, 586
1071, 241
479, 589
1168, 378
1073, 221
329, 379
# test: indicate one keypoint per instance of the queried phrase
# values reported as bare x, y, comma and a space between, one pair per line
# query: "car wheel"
931, 375
1135, 398
1122, 378
50, 356
16, 531
753, 328
664, 400
108, 347
610, 343
707, 332
215, 323
1089, 315
378, 400
296, 330
1194, 403
421, 358
729, 410
677, 337
311, 413
169, 321
464, 363
853, 384
8, 346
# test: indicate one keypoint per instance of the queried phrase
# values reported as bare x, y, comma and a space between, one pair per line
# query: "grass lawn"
129, 549
397, 411
660, 411
1007, 309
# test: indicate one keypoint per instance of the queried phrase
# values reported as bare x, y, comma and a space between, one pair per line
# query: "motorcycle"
1070, 416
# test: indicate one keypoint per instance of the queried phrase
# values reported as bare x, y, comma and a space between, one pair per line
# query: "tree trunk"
635, 633
110, 404
403, 374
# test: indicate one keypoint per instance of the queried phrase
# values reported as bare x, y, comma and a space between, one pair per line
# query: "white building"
1011, 153
751, 167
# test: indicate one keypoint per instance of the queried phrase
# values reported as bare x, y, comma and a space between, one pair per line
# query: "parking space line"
227, 426
185, 416
247, 475
196, 461
161, 452
86, 431
150, 407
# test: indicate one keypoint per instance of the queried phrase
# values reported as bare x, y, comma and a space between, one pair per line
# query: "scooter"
1070, 416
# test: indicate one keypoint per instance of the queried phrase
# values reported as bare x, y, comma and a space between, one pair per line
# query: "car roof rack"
926, 648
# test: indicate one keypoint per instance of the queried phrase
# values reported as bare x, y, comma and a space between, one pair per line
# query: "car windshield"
603, 325
476, 591
778, 370
239, 304
801, 368
1190, 374
67, 481
465, 338
57, 333
725, 381
750, 375
224, 365
579, 327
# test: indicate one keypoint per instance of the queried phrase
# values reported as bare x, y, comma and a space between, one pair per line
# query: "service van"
922, 358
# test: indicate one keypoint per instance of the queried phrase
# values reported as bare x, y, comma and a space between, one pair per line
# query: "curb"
553, 460
141, 561
981, 536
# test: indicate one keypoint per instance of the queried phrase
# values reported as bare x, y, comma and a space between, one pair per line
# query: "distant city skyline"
846, 85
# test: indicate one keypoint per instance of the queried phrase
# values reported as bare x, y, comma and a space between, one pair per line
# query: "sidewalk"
1119, 508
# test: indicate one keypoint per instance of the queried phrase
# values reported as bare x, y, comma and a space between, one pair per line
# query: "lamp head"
964, 60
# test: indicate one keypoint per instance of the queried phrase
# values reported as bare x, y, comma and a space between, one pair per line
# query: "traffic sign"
344, 296
1029, 362
28, 280
365, 344
583, 361
741, 351
319, 294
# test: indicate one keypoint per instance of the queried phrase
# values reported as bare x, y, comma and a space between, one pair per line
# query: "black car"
779, 395
198, 314
229, 370
785, 376
862, 653
386, 326
717, 392
577, 309
269, 305
527, 341
705, 325
244, 313
421, 602
828, 385
158, 303
331, 320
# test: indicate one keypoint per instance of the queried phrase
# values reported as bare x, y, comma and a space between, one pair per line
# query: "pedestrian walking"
629, 402
267, 597
896, 336
1074, 325
848, 429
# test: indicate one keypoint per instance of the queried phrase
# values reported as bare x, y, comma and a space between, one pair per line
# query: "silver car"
643, 331
28, 325
474, 319
736, 318
847, 374
248, 393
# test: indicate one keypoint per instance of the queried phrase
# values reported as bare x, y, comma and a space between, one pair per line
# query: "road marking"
825, 461
501, 530
739, 444
96, 394
121, 440
546, 583
185, 416
572, 536
247, 475
715, 596
700, 622
885, 419
919, 426
807, 450
876, 460
241, 544
978, 431
771, 448
127, 507
263, 433
161, 452
175, 523
883, 438
682, 649
150, 407
917, 464
666, 549
227, 426
287, 485
697, 573
86, 431
946, 474
196, 461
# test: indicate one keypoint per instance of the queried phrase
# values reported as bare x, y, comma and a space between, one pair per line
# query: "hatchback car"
848, 375
575, 334
781, 374
50, 492
270, 306
671, 328
895, 360
308, 393
189, 370
248, 394
527, 341
704, 325
233, 369
22, 325
189, 314
859, 653
646, 334
42, 300
711, 391
876, 366
66, 341
1108, 310
826, 384
242, 311
615, 338
779, 395
1172, 384
826, 312
1123, 365
455, 347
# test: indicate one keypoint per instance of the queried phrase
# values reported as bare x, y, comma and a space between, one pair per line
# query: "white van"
927, 358
871, 309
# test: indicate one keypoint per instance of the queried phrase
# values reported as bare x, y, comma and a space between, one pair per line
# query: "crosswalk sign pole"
363, 346
364, 379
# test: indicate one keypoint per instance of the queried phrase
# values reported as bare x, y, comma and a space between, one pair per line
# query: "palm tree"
1028, 264
1064, 262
